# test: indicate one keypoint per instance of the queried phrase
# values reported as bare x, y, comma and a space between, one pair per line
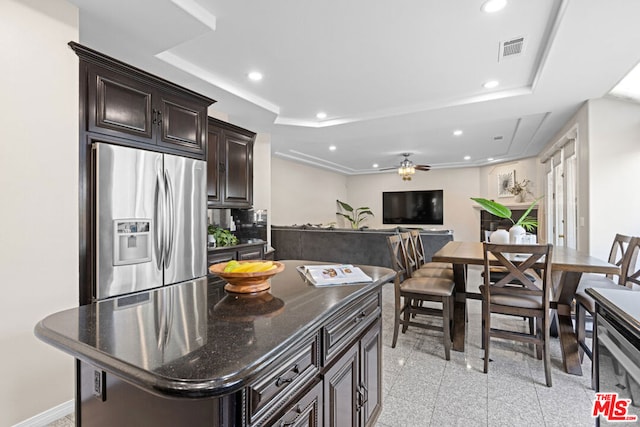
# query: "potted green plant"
525, 222
355, 216
221, 236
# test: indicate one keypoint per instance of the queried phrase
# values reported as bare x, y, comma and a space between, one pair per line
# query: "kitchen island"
193, 354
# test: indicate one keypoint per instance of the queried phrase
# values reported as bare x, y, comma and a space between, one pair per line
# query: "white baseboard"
49, 416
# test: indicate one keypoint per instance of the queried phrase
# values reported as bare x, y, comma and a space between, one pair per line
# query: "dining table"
567, 267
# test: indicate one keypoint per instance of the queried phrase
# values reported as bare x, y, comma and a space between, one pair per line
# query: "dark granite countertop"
623, 303
251, 242
194, 339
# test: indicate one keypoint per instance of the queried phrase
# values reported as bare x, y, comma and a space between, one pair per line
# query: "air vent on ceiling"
497, 138
511, 48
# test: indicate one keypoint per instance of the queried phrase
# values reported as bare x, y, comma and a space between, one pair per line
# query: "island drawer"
343, 328
294, 371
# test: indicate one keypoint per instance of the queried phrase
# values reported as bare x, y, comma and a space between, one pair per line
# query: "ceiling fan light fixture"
406, 169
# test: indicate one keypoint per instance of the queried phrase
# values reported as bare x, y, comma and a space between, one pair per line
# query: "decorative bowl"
245, 283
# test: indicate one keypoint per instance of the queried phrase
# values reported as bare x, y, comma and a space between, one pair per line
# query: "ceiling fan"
408, 168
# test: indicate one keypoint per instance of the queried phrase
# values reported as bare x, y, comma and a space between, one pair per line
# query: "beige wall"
303, 194
614, 165
577, 127
262, 176
458, 185
608, 150
39, 193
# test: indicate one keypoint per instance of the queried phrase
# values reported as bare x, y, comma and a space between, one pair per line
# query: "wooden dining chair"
413, 260
528, 298
421, 258
624, 253
411, 292
584, 303
630, 269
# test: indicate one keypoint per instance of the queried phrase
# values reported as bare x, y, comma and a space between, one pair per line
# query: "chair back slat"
617, 253
418, 247
519, 263
409, 252
397, 254
630, 272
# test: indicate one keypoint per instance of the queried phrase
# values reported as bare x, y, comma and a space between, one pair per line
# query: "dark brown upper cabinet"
138, 108
229, 165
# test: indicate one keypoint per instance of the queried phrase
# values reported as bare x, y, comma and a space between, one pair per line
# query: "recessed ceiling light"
490, 159
321, 115
256, 76
457, 132
491, 84
467, 157
375, 165
491, 6
332, 147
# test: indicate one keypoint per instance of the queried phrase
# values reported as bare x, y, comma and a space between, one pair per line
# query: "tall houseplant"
355, 216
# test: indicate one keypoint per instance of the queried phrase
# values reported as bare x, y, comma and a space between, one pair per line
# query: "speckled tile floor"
420, 388
68, 421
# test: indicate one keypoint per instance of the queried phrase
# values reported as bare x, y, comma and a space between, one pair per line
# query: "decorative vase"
520, 197
516, 233
499, 236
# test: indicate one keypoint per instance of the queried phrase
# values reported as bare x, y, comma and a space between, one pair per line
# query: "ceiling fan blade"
388, 169
422, 167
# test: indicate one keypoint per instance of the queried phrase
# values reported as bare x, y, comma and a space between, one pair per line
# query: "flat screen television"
413, 207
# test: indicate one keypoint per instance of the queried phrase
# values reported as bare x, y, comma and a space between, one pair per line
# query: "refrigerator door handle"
159, 232
170, 221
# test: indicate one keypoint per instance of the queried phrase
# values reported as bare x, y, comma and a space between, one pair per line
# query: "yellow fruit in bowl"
247, 276
231, 265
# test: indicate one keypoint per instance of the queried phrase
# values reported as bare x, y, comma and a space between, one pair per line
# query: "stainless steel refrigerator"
151, 219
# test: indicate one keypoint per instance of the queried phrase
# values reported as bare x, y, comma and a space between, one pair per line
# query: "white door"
562, 197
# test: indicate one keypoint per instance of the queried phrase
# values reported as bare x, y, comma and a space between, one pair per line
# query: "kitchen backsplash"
220, 217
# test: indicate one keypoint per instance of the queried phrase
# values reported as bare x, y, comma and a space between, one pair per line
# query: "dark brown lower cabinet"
254, 252
352, 386
371, 375
245, 252
305, 412
332, 377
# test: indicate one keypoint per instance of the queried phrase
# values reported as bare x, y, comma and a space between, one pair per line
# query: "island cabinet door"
353, 384
370, 390
341, 384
